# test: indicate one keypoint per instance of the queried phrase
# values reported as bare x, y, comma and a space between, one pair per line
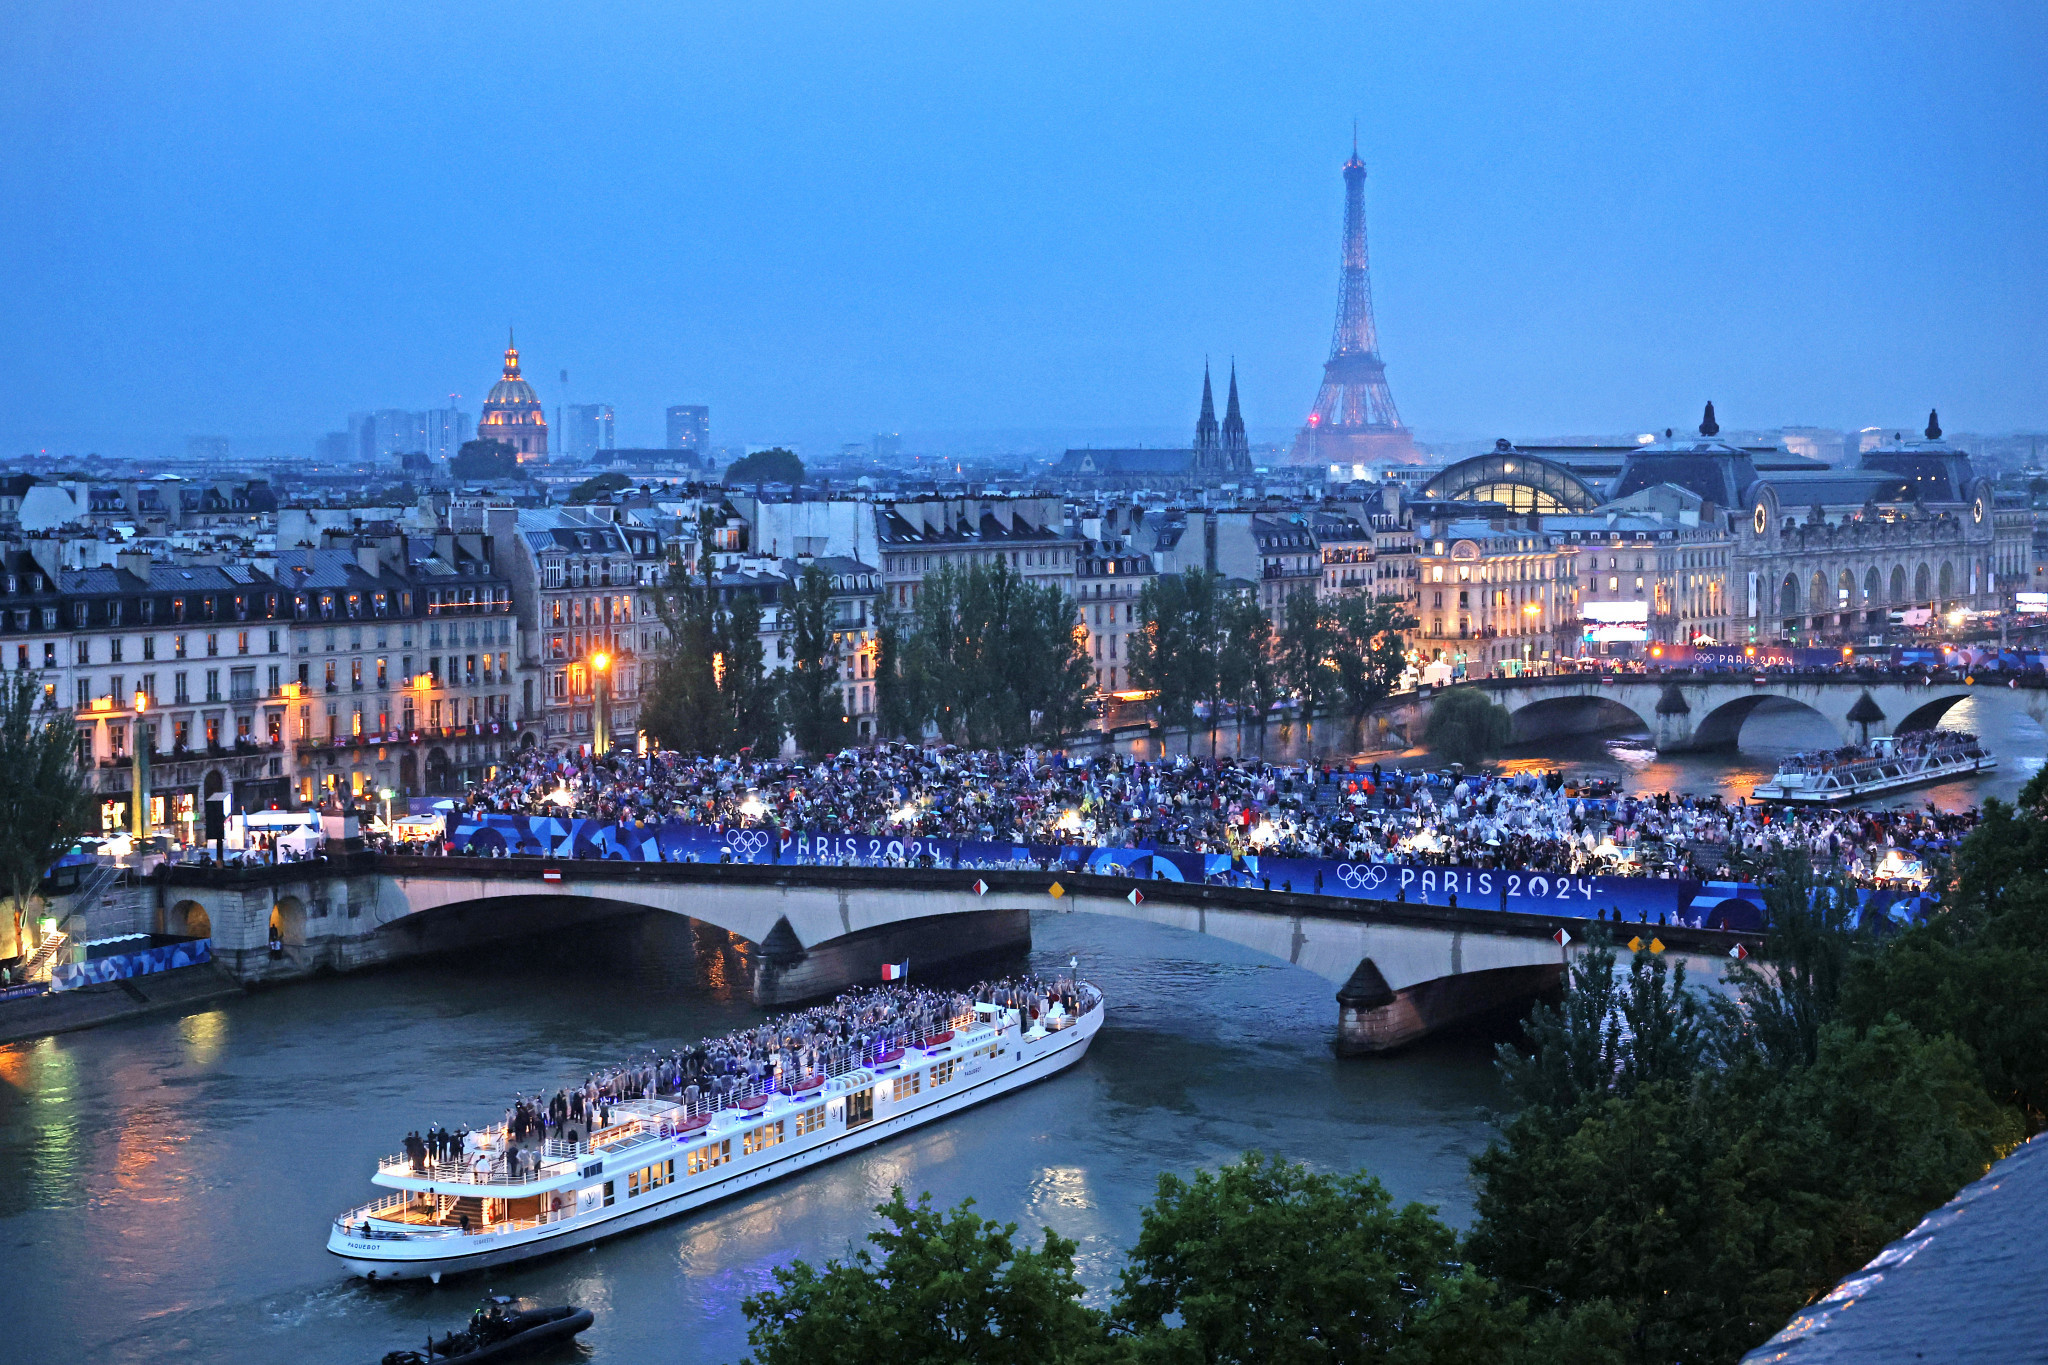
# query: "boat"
493, 1334
1886, 764
660, 1157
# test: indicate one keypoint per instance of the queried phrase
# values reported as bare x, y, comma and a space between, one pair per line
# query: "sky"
1012, 225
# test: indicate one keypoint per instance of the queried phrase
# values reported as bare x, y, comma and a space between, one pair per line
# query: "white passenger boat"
660, 1157
1889, 763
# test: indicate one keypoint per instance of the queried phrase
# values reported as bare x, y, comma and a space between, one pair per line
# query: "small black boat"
495, 1334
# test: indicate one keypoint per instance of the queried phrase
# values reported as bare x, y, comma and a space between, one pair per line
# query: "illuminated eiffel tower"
1354, 420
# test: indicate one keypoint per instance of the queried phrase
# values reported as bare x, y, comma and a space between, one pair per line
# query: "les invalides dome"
513, 413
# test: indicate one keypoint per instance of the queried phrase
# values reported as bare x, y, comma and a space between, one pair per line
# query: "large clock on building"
1763, 519
1977, 511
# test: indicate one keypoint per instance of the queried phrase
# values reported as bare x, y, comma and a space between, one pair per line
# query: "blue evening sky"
1012, 224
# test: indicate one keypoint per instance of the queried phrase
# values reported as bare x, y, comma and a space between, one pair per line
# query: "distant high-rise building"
447, 429
400, 432
207, 449
362, 436
332, 449
586, 430
888, 445
689, 428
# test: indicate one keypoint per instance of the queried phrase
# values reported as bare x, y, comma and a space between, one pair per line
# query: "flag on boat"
896, 971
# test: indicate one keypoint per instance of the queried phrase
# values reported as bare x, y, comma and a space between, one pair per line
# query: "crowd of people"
1531, 821
782, 1055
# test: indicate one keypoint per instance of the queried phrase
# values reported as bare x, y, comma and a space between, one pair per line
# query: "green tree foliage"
1307, 637
1980, 970
986, 656
810, 689
1466, 726
1267, 1263
1245, 673
485, 459
766, 466
1174, 651
709, 692
44, 801
946, 1289
599, 486
1368, 648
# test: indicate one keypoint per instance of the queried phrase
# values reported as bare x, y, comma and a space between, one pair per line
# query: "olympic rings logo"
747, 843
1362, 876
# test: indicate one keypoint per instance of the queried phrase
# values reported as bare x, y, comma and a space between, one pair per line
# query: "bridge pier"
1373, 1017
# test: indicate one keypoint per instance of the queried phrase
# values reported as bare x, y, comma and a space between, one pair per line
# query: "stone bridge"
1706, 711
1403, 970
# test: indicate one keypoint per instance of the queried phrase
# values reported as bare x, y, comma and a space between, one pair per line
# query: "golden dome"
510, 388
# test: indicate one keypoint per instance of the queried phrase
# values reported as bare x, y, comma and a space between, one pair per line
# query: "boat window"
714, 1154
810, 1120
860, 1107
758, 1139
943, 1071
907, 1086
649, 1178
607, 1194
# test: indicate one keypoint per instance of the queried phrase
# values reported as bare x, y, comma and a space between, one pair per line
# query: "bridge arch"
189, 918
288, 921
1721, 728
1573, 715
1928, 714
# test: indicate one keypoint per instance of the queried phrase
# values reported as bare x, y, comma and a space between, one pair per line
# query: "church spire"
511, 354
1206, 437
1235, 448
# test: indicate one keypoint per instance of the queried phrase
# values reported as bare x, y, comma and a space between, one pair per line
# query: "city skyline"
1576, 226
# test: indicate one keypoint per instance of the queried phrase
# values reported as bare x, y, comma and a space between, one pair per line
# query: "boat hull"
420, 1258
1799, 796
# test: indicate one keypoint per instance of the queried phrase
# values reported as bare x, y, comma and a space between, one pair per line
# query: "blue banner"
1631, 899
69, 976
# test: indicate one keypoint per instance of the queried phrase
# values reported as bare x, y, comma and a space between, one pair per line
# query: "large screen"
1616, 613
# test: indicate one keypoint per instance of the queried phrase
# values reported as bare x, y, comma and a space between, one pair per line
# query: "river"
166, 1184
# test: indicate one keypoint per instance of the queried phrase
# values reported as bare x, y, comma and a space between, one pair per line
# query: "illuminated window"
906, 1086
943, 1072
650, 1178
811, 1120
704, 1158
762, 1138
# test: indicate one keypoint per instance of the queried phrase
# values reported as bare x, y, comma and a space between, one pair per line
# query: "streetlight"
600, 733
138, 811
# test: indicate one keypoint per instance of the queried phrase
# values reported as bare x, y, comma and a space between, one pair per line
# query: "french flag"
896, 971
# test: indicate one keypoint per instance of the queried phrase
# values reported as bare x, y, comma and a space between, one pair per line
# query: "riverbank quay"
110, 1002
1966, 1285
1402, 968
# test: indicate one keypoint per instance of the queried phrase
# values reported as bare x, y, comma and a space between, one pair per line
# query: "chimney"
136, 562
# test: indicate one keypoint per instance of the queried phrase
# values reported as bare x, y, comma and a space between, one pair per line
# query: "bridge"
1703, 711
1402, 970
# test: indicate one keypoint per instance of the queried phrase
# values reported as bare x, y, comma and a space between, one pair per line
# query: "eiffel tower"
1354, 420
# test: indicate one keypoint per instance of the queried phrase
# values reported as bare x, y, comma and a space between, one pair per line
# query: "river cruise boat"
662, 1157
1886, 764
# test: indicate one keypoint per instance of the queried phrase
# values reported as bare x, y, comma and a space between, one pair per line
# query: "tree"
1368, 648
1244, 674
1306, 635
1268, 1263
1465, 726
946, 1288
44, 802
710, 692
485, 459
811, 687
1173, 654
598, 486
986, 657
774, 465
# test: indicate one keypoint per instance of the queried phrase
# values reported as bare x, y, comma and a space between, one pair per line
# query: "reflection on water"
169, 1181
